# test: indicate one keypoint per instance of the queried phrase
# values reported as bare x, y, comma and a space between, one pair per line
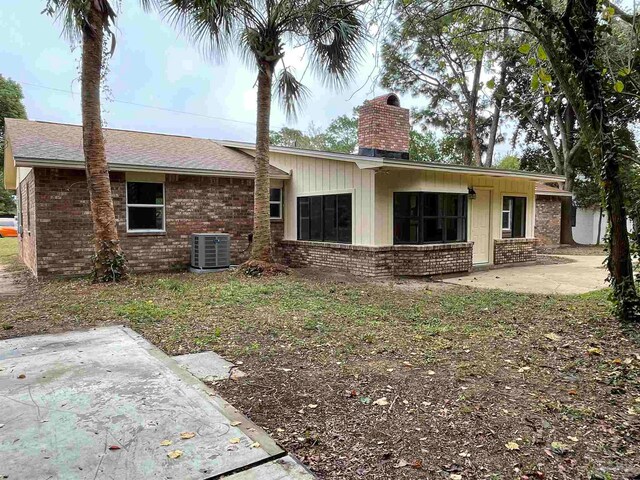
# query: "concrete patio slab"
285, 468
99, 404
207, 366
583, 274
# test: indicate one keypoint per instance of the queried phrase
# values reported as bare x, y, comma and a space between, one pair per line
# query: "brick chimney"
383, 128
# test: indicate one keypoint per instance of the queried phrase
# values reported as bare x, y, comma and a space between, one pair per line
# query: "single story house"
375, 213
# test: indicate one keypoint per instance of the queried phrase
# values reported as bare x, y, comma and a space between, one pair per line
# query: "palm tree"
87, 21
331, 32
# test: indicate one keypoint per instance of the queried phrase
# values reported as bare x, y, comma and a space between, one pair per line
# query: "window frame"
421, 217
336, 209
512, 202
280, 203
145, 205
509, 211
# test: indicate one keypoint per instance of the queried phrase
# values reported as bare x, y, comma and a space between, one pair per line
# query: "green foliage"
331, 31
11, 106
141, 312
424, 147
509, 162
342, 134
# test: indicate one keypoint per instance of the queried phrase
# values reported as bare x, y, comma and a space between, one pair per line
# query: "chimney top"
383, 128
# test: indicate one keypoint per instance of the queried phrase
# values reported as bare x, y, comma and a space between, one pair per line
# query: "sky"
156, 66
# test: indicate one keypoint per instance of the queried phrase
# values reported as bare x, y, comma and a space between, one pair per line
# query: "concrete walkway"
106, 404
583, 274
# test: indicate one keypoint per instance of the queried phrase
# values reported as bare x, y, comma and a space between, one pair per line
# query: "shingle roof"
544, 189
45, 142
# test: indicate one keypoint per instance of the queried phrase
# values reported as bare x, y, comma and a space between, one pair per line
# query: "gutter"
365, 162
121, 167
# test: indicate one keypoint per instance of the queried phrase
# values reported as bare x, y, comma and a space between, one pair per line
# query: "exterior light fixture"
472, 193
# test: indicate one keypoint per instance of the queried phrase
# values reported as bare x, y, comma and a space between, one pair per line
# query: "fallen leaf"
594, 351
381, 401
573, 439
560, 448
431, 372
2, 425
401, 463
174, 454
455, 476
312, 406
553, 337
524, 369
234, 440
166, 443
255, 445
187, 435
286, 369
21, 376
365, 400
114, 447
235, 424
512, 446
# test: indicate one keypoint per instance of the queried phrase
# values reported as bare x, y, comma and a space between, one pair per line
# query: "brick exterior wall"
514, 250
383, 127
192, 204
548, 219
26, 194
409, 260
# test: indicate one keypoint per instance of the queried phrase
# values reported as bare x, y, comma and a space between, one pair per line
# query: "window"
574, 214
424, 217
275, 203
325, 218
514, 213
145, 207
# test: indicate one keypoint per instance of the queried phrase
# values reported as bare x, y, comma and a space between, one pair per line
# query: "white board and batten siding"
311, 176
372, 193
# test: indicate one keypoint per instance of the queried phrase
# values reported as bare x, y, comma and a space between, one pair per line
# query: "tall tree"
443, 60
332, 32
89, 22
11, 106
571, 34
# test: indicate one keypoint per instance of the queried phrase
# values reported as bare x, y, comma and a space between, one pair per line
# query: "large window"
325, 218
145, 207
514, 213
275, 203
424, 217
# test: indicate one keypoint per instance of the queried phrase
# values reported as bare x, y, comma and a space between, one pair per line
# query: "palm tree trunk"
261, 249
109, 264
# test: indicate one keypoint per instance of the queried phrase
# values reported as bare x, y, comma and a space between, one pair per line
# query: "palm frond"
208, 23
73, 16
291, 92
336, 41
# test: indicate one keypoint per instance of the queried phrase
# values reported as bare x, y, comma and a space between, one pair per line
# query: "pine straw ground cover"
370, 380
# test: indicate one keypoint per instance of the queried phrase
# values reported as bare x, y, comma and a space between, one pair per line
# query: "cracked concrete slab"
207, 366
99, 404
582, 274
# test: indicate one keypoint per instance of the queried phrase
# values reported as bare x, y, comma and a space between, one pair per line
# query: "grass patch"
8, 251
141, 312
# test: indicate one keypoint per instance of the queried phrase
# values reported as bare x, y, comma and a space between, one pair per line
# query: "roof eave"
376, 162
555, 194
120, 167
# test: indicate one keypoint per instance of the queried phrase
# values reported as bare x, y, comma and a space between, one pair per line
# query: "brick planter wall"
414, 260
548, 215
192, 204
514, 250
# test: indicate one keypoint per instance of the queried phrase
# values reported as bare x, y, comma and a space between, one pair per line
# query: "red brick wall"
514, 250
192, 204
27, 245
410, 260
548, 219
383, 127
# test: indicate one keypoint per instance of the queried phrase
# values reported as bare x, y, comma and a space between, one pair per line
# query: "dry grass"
463, 371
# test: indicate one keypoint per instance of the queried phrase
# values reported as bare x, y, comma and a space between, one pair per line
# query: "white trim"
145, 205
120, 167
365, 162
279, 202
526, 213
561, 193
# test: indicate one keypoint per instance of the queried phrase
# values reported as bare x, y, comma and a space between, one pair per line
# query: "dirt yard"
390, 380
